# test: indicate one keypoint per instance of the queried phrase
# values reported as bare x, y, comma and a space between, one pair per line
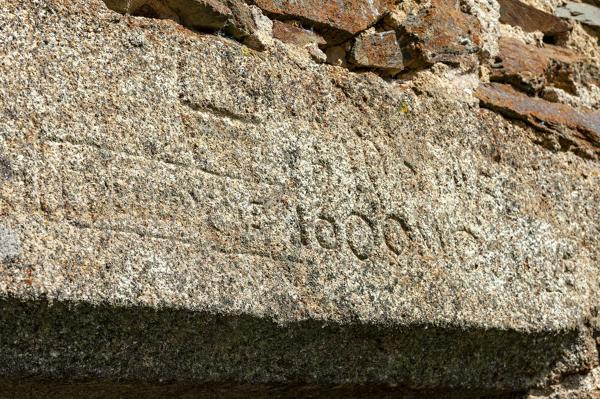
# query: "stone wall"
296, 199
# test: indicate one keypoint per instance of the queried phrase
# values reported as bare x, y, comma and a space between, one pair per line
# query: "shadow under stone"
78, 350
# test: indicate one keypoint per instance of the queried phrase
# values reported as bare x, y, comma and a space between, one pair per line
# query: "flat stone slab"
531, 19
341, 19
531, 68
545, 115
176, 207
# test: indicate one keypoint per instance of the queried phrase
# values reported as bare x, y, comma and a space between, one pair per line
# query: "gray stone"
585, 13
9, 244
192, 211
249, 26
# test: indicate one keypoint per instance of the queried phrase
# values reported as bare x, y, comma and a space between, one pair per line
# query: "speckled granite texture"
176, 207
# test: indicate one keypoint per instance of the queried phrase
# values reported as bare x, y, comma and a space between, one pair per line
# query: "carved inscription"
189, 205
395, 234
327, 232
359, 233
364, 235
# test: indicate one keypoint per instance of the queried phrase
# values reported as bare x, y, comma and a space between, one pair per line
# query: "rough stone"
488, 14
245, 23
573, 387
9, 244
583, 136
339, 20
196, 14
261, 36
289, 33
530, 19
379, 50
336, 55
531, 68
249, 26
584, 98
316, 54
146, 8
587, 14
192, 213
440, 32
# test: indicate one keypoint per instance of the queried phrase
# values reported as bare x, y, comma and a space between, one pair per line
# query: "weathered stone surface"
245, 23
242, 24
440, 33
336, 55
531, 68
585, 13
530, 19
249, 25
146, 8
576, 386
339, 19
175, 207
316, 54
379, 50
584, 135
9, 244
288, 33
197, 14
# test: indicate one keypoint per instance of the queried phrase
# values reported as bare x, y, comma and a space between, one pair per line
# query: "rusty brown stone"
531, 19
583, 127
292, 34
440, 33
530, 68
339, 20
378, 50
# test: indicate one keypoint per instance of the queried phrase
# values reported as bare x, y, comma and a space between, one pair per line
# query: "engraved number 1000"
360, 233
